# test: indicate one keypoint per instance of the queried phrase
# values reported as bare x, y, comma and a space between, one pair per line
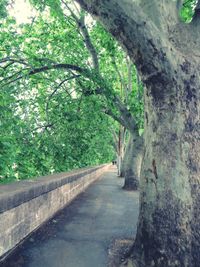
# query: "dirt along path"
80, 235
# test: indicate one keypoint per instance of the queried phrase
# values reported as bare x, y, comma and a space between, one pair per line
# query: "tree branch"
80, 21
56, 89
14, 60
125, 115
30, 72
70, 10
57, 66
110, 113
125, 119
88, 42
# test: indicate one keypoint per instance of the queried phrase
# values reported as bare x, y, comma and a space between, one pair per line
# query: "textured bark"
123, 165
126, 156
168, 61
120, 153
132, 162
169, 231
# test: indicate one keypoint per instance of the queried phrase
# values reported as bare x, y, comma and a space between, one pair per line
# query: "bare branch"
88, 42
61, 83
80, 21
70, 9
29, 72
56, 89
6, 66
14, 60
57, 66
12, 76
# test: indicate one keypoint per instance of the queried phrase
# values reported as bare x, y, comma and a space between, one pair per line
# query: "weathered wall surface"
24, 206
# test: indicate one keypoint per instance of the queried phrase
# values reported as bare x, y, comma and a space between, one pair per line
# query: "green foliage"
54, 121
3, 11
187, 10
8, 143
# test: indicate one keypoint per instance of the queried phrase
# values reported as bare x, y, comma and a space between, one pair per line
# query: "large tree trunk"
168, 60
169, 230
132, 162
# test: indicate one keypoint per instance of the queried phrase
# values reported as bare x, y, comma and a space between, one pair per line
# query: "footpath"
81, 233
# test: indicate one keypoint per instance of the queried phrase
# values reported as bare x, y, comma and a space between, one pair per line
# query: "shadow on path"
80, 234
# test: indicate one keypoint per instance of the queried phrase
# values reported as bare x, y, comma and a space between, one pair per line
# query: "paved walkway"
80, 234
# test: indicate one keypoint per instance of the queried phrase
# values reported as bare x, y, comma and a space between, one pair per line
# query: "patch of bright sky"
22, 11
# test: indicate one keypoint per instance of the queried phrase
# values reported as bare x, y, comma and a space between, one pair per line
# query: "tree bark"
126, 156
123, 165
168, 62
169, 231
133, 161
120, 155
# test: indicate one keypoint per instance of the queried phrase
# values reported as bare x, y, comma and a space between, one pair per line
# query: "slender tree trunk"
123, 165
126, 155
133, 160
120, 155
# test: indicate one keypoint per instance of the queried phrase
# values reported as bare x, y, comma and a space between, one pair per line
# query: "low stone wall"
25, 205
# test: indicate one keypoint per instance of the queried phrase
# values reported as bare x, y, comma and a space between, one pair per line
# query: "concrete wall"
25, 205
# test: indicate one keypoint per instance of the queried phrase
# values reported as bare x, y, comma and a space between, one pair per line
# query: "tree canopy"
64, 83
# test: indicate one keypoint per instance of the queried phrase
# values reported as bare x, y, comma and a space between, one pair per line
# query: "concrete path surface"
80, 234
